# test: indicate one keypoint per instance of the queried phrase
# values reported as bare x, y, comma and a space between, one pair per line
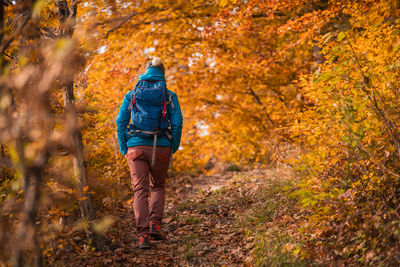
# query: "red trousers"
147, 179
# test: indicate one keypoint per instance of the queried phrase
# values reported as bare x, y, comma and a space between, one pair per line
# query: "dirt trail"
200, 222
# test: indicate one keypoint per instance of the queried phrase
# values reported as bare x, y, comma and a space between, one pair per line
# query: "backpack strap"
133, 101
164, 111
153, 155
170, 100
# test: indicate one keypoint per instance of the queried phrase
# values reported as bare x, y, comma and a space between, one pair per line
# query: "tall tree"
67, 20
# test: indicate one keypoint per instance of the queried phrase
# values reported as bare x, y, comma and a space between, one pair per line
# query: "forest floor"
226, 219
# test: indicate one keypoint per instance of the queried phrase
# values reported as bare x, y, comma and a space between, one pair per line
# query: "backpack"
149, 115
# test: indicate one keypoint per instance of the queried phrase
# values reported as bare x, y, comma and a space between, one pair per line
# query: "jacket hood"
152, 74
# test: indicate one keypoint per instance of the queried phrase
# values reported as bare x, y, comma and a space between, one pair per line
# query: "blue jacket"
124, 116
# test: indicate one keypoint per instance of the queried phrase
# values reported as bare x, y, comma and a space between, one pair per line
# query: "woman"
153, 135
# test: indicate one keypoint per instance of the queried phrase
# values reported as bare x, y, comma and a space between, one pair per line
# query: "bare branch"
73, 9
156, 21
6, 43
123, 21
257, 99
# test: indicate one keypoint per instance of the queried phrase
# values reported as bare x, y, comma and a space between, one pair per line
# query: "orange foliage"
321, 74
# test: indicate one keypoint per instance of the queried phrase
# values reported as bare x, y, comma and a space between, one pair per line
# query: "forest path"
209, 221
200, 223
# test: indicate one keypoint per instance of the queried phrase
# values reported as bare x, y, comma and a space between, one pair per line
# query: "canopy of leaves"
322, 75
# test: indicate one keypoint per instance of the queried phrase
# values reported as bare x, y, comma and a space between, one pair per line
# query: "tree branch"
123, 21
258, 101
156, 21
6, 43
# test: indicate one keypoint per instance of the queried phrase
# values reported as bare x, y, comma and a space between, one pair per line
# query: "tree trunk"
67, 18
80, 165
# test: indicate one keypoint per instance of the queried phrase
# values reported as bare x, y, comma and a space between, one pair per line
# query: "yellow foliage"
351, 136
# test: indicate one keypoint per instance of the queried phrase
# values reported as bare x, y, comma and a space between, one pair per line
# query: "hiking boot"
144, 241
155, 231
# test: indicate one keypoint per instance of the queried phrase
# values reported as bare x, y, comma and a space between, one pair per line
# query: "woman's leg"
157, 184
139, 169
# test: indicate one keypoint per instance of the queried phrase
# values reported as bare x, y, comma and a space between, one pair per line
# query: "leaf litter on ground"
220, 220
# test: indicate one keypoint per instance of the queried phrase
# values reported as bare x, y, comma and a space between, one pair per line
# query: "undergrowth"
270, 220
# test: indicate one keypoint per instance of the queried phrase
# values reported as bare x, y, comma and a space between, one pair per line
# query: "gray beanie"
156, 63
